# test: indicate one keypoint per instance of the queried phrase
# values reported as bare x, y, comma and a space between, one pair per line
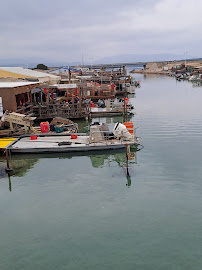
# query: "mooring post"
9, 182
125, 112
127, 153
127, 169
8, 169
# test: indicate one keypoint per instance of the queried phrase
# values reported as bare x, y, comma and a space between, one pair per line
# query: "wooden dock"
49, 111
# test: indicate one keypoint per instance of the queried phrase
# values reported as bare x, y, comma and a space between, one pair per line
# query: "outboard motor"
120, 131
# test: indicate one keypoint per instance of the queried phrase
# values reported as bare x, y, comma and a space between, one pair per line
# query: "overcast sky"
63, 30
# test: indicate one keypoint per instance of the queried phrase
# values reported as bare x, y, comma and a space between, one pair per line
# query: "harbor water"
83, 212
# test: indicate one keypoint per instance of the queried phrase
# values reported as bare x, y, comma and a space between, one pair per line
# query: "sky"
93, 31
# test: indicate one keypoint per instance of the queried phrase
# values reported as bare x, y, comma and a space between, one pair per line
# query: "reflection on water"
9, 182
78, 213
20, 165
111, 121
196, 84
99, 161
23, 164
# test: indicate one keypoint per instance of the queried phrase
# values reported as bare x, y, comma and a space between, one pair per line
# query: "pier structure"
45, 106
113, 66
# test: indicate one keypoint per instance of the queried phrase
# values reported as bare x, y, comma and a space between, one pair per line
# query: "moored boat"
111, 107
99, 139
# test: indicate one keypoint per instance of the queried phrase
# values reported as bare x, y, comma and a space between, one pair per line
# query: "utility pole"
91, 62
82, 60
185, 62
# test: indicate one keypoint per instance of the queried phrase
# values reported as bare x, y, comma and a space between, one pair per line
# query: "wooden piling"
8, 169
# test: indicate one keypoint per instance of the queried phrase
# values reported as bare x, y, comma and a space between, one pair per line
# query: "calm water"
82, 212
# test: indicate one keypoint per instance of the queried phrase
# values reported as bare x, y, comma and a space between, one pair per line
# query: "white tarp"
64, 86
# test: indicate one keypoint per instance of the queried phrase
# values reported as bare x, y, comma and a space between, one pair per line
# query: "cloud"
170, 15
64, 30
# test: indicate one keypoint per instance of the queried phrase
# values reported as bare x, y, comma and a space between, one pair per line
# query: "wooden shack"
96, 91
65, 90
15, 94
57, 101
90, 90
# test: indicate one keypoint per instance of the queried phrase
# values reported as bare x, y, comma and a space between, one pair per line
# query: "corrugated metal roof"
15, 84
6, 74
28, 72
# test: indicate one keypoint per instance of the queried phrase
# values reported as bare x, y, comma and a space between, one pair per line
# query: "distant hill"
126, 58
142, 58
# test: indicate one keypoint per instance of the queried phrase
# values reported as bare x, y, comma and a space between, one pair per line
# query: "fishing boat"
99, 138
111, 107
126, 85
104, 112
130, 88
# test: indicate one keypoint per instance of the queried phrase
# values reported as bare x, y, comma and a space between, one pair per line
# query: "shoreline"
193, 67
150, 72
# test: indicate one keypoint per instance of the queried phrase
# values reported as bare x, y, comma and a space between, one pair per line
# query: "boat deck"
63, 144
49, 142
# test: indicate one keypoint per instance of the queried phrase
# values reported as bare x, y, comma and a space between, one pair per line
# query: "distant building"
154, 66
65, 70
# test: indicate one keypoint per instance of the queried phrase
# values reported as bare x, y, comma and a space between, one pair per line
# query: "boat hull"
73, 143
68, 149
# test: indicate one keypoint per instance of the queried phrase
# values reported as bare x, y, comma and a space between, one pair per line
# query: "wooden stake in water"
125, 116
9, 182
127, 169
127, 153
8, 169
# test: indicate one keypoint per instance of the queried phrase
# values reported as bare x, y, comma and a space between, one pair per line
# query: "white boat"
118, 103
111, 107
130, 88
99, 112
99, 138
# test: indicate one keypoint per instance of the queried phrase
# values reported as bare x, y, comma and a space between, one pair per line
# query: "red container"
33, 137
129, 126
126, 100
73, 136
44, 127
